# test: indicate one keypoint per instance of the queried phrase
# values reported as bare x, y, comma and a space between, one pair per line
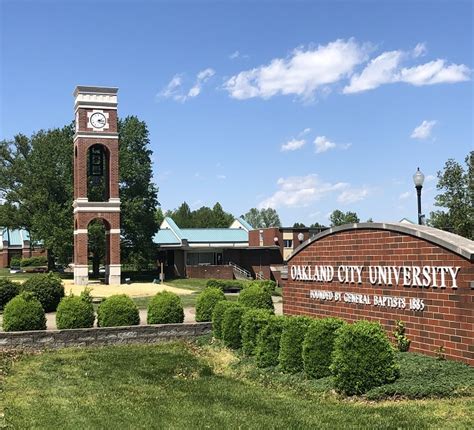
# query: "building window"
287, 243
200, 258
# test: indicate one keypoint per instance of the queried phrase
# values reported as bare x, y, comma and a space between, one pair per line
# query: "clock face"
98, 120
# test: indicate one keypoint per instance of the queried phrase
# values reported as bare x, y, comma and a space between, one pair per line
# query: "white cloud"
301, 74
236, 55
221, 176
387, 68
423, 131
304, 132
293, 145
323, 144
298, 191
429, 178
174, 88
353, 195
406, 195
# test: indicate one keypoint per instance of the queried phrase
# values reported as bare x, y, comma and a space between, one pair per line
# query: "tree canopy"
262, 218
204, 217
456, 186
338, 217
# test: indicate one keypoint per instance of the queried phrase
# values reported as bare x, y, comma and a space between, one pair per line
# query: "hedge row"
235, 284
29, 261
359, 356
47, 288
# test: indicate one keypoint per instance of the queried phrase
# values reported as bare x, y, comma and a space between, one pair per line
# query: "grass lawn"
182, 386
5, 273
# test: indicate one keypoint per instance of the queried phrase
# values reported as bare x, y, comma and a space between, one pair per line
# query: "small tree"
339, 218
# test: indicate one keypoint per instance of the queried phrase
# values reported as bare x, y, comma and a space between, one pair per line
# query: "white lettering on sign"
413, 304
408, 276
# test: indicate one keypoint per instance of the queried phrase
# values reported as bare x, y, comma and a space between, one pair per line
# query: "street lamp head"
418, 178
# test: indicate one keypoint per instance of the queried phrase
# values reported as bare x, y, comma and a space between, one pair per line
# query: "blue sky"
302, 106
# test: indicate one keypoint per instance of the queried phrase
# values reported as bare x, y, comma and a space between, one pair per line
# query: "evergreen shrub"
24, 312
291, 344
268, 341
47, 288
231, 320
8, 290
118, 310
74, 312
165, 308
267, 285
318, 346
217, 316
254, 296
206, 302
253, 321
363, 358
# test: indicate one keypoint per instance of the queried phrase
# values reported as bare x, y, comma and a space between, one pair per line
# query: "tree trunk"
95, 265
51, 263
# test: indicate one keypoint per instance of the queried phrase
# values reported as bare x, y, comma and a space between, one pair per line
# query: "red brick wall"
210, 272
447, 319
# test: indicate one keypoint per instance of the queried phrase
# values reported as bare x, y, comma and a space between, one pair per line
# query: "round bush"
256, 297
291, 344
74, 312
231, 326
266, 284
8, 290
116, 311
24, 312
47, 288
268, 342
217, 316
206, 301
363, 358
165, 308
318, 346
253, 322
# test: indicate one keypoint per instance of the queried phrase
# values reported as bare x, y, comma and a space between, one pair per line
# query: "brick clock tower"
96, 178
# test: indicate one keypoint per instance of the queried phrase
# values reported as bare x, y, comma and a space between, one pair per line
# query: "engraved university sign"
388, 272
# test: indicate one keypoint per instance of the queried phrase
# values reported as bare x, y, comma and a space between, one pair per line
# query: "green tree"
220, 218
159, 217
203, 217
457, 197
96, 245
182, 216
36, 185
262, 218
339, 218
317, 225
138, 193
298, 225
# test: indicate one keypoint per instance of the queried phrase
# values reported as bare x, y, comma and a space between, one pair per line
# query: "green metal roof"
175, 235
166, 237
245, 223
14, 237
215, 235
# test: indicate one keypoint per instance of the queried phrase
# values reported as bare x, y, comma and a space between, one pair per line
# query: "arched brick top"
452, 242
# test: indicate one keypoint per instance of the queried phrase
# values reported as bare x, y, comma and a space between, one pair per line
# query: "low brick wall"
210, 272
101, 336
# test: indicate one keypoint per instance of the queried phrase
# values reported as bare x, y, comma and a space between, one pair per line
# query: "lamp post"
418, 179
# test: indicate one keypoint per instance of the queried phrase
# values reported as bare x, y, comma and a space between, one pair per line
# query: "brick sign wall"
385, 275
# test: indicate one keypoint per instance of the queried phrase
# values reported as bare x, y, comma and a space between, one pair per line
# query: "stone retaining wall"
101, 336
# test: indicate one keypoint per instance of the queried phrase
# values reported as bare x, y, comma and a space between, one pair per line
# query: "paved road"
189, 315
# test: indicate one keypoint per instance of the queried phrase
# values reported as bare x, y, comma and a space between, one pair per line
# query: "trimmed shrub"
318, 346
15, 263
74, 312
24, 312
118, 310
47, 288
291, 344
226, 284
363, 358
231, 326
206, 302
256, 297
34, 261
217, 316
266, 284
253, 322
8, 290
165, 308
268, 341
